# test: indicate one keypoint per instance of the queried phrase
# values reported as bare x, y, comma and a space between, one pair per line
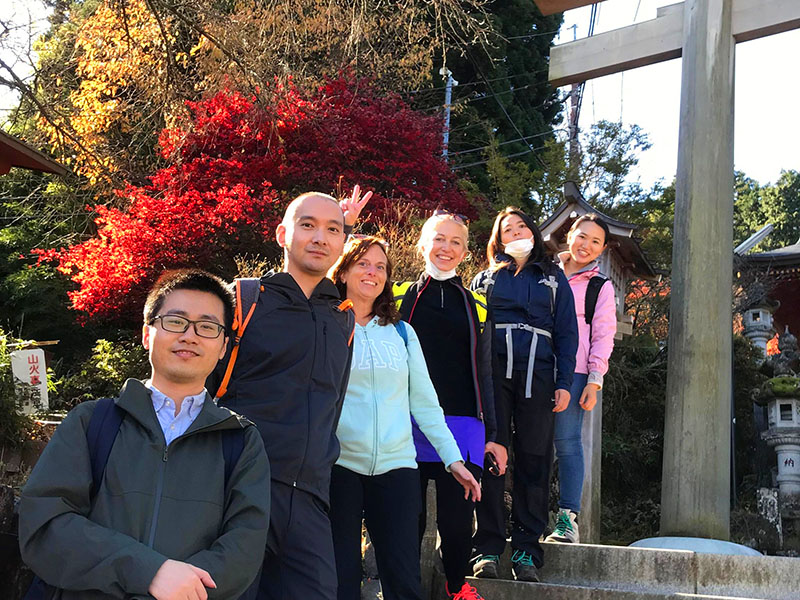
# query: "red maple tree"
233, 167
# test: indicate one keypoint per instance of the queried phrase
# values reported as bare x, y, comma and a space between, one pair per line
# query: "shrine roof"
16, 153
788, 255
626, 244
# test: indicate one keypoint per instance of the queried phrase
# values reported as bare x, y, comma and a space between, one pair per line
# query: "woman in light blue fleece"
376, 475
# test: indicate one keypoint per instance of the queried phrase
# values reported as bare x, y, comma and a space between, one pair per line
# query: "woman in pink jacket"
586, 241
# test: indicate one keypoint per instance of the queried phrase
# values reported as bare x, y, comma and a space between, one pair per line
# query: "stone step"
499, 589
618, 572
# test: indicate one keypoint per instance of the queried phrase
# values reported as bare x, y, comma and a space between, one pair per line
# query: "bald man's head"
311, 234
291, 210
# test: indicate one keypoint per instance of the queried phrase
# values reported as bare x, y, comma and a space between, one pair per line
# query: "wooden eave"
16, 153
550, 7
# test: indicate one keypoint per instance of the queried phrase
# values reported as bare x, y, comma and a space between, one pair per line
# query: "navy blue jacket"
290, 379
524, 298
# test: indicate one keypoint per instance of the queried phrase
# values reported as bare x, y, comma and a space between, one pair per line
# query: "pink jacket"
593, 355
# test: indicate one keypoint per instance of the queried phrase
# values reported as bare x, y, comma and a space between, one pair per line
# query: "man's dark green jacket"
155, 502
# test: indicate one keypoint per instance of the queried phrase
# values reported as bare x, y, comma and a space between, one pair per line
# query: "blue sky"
767, 127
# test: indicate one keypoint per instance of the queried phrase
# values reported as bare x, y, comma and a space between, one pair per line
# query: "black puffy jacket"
291, 376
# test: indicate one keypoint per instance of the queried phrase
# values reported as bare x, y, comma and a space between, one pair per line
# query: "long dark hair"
495, 246
383, 306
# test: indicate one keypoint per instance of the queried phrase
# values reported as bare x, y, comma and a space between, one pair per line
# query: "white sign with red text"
30, 380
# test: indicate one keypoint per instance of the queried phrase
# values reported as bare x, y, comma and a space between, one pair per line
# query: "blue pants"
569, 449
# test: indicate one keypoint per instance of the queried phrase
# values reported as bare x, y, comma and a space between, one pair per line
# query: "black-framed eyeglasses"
178, 324
442, 212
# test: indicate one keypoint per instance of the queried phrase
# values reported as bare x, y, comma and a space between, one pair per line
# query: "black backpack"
592, 293
103, 428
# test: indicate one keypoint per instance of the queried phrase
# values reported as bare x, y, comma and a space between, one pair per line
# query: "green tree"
756, 205
503, 95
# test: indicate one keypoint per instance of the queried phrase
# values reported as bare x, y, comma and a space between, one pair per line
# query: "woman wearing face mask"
376, 476
586, 241
536, 340
455, 333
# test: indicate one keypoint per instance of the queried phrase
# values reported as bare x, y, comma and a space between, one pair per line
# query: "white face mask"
519, 249
435, 272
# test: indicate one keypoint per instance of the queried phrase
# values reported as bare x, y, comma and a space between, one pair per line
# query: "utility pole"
575, 97
448, 96
573, 168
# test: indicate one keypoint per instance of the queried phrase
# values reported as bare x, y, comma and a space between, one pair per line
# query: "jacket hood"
284, 282
455, 279
589, 271
135, 399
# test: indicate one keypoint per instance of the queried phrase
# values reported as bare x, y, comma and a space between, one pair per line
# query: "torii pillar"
696, 475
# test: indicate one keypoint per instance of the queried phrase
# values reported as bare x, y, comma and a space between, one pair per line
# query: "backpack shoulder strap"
592, 293
401, 329
247, 291
482, 306
486, 284
232, 447
399, 291
103, 427
100, 435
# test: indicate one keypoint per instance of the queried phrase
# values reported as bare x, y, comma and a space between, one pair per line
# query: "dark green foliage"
746, 378
757, 205
633, 436
39, 210
502, 97
103, 373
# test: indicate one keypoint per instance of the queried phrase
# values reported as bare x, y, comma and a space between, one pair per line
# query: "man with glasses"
159, 493
290, 378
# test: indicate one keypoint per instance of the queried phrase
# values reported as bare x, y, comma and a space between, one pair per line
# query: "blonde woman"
455, 333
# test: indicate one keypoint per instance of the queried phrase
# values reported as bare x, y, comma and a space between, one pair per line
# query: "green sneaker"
566, 530
485, 566
522, 566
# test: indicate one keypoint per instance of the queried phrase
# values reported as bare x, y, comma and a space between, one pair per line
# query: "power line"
481, 82
483, 162
530, 137
464, 101
531, 35
499, 103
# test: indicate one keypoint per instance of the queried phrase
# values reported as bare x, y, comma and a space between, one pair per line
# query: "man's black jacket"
291, 376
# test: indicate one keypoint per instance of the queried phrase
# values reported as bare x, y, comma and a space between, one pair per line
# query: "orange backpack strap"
247, 291
344, 306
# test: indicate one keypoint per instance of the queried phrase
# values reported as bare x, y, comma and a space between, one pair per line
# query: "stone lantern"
758, 325
781, 395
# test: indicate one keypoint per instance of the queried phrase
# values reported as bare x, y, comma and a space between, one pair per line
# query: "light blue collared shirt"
174, 426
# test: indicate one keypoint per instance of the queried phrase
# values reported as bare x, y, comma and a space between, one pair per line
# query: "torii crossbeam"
696, 476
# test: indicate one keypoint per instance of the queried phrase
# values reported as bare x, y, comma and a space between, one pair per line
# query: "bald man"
290, 379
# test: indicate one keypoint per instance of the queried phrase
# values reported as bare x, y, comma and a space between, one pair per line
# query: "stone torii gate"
696, 476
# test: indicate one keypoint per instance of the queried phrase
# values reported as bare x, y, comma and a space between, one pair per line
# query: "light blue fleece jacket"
389, 383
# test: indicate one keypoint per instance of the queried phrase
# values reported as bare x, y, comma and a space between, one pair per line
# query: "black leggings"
453, 519
390, 506
534, 422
